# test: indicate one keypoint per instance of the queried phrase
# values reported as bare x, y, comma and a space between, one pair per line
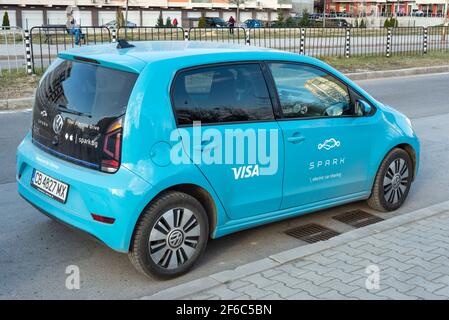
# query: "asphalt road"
35, 251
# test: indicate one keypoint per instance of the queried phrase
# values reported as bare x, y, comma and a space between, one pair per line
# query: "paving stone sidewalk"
406, 257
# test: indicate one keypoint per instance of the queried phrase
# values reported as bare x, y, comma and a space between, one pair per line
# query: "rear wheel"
170, 236
393, 181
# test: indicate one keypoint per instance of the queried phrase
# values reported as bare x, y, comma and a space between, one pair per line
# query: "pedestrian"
231, 23
175, 22
73, 28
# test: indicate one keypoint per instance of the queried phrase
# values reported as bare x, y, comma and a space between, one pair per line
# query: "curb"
183, 290
25, 103
397, 73
16, 104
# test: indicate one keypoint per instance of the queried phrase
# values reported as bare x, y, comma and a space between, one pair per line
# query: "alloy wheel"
396, 181
174, 238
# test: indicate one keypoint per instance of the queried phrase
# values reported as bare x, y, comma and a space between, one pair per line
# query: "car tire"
170, 236
392, 182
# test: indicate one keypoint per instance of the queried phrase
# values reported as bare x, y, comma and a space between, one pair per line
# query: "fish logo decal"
329, 144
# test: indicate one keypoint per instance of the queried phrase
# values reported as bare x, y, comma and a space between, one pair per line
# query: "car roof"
134, 59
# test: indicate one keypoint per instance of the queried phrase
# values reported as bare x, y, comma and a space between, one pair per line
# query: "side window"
306, 92
221, 94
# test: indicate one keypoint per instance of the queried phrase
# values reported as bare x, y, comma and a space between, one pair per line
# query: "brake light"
112, 143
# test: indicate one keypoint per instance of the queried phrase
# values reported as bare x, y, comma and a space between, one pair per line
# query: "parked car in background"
252, 23
113, 24
314, 16
215, 22
342, 14
336, 23
418, 13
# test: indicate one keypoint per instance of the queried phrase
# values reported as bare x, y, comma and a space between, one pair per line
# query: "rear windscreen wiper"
78, 113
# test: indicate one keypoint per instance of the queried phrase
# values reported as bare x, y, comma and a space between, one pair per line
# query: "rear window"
77, 112
86, 88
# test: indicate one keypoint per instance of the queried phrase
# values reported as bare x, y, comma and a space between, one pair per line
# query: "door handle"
296, 139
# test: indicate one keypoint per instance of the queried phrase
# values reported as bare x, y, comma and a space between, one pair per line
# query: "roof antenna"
123, 44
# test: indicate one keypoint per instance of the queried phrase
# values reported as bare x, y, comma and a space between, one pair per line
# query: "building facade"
29, 13
427, 8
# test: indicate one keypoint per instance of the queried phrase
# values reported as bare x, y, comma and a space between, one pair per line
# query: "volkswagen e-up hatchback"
156, 147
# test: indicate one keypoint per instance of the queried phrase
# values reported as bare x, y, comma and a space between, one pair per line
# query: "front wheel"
170, 236
393, 181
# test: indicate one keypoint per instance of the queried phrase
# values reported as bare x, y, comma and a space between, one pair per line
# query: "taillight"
112, 143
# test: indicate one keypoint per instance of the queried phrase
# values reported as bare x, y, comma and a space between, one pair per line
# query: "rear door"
225, 116
77, 112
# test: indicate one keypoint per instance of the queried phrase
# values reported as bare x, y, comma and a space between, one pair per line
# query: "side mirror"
362, 108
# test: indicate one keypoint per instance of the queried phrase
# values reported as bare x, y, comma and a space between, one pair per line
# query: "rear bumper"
120, 195
93, 237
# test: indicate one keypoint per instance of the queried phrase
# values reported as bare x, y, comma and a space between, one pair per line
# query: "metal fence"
287, 39
47, 41
407, 41
438, 38
39, 47
12, 50
368, 42
228, 35
150, 34
320, 42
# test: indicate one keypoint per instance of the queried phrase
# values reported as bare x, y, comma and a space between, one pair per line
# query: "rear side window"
86, 88
221, 94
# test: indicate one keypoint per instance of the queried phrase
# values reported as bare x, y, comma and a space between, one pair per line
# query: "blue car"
156, 147
253, 23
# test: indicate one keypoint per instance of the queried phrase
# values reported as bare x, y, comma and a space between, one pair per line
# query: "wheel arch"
197, 192
407, 148
412, 154
204, 198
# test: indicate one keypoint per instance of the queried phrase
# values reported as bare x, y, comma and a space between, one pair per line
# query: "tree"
120, 19
202, 22
305, 19
394, 23
5, 23
391, 23
280, 19
290, 22
445, 21
238, 3
168, 23
160, 21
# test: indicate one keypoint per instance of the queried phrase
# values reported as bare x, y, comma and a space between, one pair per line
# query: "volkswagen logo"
58, 122
175, 238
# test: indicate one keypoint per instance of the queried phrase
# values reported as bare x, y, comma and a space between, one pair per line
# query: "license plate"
51, 187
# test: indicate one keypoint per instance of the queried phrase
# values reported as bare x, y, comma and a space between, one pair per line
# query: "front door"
326, 145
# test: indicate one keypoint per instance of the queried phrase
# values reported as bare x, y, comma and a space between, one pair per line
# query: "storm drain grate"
357, 218
312, 233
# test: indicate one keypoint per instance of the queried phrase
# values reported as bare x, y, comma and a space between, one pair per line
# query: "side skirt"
249, 222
